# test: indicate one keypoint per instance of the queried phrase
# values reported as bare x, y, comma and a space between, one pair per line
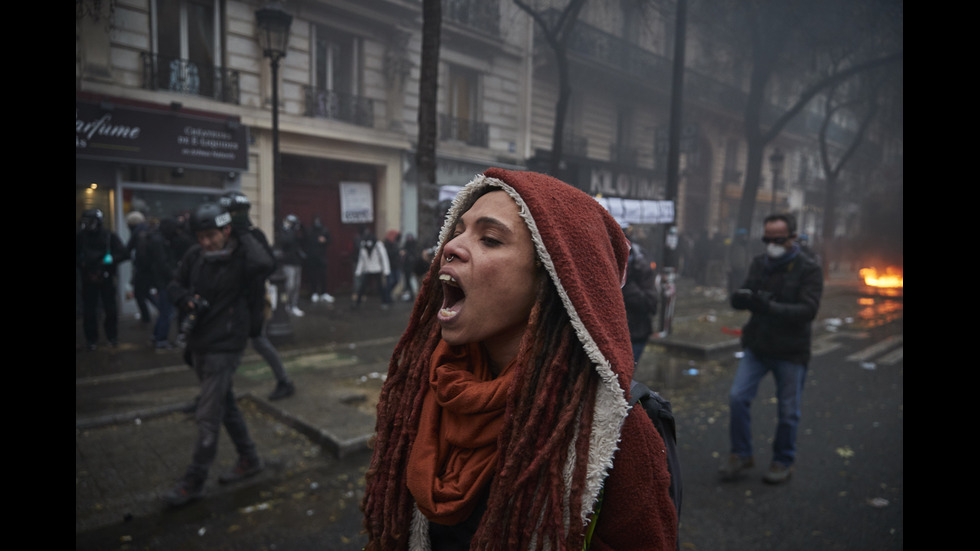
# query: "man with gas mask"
782, 290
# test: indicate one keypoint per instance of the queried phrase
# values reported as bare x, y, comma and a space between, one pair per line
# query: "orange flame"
891, 279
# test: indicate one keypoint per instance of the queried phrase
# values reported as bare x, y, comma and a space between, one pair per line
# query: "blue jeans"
789, 378
165, 314
638, 348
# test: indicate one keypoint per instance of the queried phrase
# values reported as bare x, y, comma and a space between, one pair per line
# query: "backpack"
658, 409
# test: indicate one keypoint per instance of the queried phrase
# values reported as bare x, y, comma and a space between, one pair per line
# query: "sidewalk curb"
337, 446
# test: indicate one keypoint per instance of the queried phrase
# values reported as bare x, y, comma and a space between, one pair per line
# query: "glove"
742, 299
760, 302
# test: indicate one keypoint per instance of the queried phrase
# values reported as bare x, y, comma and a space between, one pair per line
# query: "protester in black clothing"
211, 285
640, 296
98, 253
318, 242
162, 258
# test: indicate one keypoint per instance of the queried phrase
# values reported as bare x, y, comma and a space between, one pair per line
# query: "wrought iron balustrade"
467, 131
184, 76
478, 14
328, 104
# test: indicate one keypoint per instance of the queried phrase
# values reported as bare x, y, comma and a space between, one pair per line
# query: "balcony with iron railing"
188, 77
328, 104
468, 131
476, 14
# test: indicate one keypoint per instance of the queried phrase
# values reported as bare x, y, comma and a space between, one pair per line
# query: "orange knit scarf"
455, 451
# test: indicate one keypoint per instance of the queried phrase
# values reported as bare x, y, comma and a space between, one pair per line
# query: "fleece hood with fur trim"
584, 251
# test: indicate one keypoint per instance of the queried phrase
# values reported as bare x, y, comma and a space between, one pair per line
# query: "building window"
336, 79
187, 45
462, 93
462, 119
336, 62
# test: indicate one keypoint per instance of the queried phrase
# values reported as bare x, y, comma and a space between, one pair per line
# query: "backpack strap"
658, 409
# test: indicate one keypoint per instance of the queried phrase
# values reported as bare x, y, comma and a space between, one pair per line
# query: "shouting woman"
504, 422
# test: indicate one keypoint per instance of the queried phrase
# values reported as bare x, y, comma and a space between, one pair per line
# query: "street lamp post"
776, 164
273, 23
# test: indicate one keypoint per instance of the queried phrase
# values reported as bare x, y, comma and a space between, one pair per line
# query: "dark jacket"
318, 241
161, 258
784, 299
92, 249
292, 246
138, 251
224, 280
640, 297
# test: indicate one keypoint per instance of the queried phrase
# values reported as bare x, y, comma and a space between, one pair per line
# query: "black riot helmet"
91, 220
238, 205
210, 216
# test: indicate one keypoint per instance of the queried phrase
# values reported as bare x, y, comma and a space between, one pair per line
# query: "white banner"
638, 211
356, 203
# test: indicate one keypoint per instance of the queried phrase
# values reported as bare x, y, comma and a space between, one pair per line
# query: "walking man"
211, 286
782, 290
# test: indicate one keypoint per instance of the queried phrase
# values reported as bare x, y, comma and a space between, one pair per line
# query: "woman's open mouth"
453, 297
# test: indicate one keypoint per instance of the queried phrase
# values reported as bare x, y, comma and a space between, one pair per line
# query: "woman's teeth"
452, 291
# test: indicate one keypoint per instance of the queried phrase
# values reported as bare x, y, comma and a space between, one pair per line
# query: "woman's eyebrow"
491, 221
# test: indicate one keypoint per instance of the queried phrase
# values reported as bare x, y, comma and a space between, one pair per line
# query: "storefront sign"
124, 133
638, 211
356, 203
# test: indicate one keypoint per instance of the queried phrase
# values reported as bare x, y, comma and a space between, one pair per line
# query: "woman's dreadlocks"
549, 416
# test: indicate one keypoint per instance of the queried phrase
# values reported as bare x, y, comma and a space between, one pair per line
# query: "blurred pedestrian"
395, 261
372, 269
411, 257
290, 243
163, 259
238, 206
212, 286
782, 290
504, 422
318, 245
141, 276
98, 253
640, 295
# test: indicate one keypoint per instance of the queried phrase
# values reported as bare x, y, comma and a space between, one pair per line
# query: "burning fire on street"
890, 282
